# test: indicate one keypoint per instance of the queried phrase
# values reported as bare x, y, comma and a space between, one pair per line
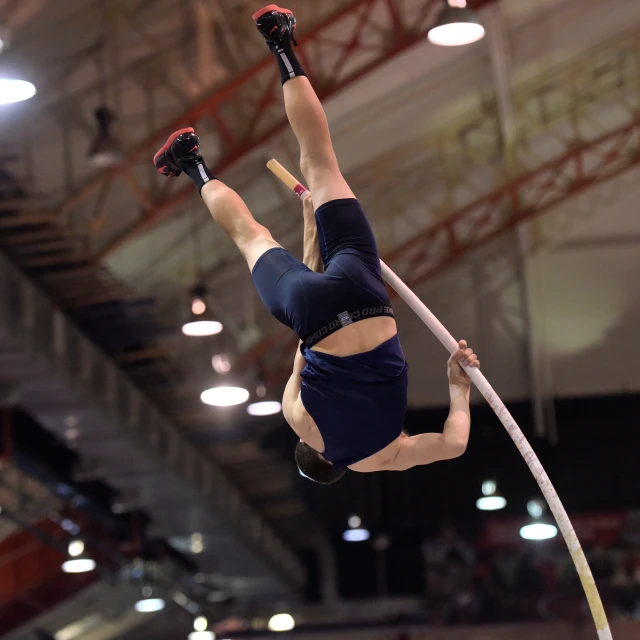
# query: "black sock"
288, 64
198, 171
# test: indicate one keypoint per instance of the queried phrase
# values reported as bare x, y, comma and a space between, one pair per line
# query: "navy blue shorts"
351, 288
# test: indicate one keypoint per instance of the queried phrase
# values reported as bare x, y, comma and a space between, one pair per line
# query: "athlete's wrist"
458, 389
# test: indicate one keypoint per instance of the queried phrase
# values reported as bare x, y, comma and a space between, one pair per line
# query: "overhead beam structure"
58, 361
247, 111
540, 381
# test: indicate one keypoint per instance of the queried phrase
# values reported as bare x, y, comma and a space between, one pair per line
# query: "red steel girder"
31, 579
25, 562
494, 215
42, 598
357, 39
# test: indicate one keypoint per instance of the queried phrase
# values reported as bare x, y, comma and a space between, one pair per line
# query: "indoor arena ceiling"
453, 153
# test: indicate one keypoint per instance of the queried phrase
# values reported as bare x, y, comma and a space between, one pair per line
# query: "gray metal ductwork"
58, 370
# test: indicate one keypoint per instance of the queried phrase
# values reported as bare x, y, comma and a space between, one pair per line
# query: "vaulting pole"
477, 377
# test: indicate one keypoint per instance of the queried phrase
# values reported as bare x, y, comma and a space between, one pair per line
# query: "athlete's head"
313, 466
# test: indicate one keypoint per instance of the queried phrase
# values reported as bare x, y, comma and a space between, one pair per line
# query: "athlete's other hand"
307, 207
464, 355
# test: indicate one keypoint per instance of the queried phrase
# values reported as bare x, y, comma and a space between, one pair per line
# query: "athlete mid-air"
347, 396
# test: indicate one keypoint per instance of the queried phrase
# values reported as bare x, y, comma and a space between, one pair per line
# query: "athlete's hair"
313, 466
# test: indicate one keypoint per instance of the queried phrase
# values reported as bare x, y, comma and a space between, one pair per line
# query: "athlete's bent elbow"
456, 448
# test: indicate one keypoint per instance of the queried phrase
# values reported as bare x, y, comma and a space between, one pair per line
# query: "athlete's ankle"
288, 63
199, 173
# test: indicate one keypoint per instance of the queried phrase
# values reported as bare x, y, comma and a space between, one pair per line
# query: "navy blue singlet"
358, 402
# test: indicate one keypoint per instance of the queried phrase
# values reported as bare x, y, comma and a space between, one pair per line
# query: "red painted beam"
358, 41
482, 221
42, 598
25, 562
31, 577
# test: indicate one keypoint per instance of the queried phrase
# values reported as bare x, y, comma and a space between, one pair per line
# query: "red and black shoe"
182, 146
277, 25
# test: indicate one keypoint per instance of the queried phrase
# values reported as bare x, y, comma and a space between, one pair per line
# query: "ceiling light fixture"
457, 25
14, 89
71, 434
539, 531
71, 421
281, 622
78, 562
200, 328
200, 623
76, 548
201, 321
491, 503
355, 532
198, 307
221, 363
536, 508
265, 408
356, 535
105, 152
224, 396
490, 500
149, 605
79, 565
197, 543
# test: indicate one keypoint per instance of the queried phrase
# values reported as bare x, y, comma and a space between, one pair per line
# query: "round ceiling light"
356, 535
221, 363
457, 25
224, 396
491, 503
202, 635
15, 90
266, 408
457, 34
282, 622
200, 328
79, 565
76, 548
150, 605
539, 531
535, 508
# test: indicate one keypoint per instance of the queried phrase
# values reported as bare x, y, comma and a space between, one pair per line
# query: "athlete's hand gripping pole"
579, 559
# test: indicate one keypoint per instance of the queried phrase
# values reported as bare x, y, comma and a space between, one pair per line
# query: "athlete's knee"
254, 235
255, 244
325, 179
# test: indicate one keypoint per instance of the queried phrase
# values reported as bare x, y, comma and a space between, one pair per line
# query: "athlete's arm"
311, 251
292, 407
452, 442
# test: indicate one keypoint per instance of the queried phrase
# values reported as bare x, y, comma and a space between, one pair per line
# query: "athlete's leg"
182, 153
280, 279
317, 158
234, 218
304, 110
